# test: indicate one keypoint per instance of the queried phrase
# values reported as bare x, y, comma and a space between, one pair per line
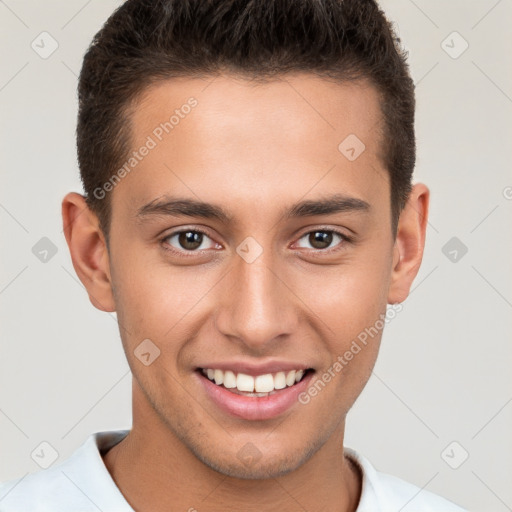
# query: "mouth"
254, 397
259, 385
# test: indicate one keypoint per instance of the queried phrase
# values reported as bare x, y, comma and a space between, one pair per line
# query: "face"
252, 284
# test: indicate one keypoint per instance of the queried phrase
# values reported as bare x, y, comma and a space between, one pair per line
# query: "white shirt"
82, 483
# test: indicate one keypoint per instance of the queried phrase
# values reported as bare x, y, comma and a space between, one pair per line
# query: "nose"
257, 306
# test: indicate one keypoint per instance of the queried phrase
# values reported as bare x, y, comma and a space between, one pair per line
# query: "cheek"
350, 298
351, 306
157, 301
352, 312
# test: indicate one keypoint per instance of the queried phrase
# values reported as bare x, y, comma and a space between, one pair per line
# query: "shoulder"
45, 490
382, 492
80, 482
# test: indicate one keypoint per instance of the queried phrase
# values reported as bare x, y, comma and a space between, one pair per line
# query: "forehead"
301, 103
237, 138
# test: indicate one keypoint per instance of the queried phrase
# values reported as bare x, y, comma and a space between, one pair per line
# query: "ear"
88, 250
409, 243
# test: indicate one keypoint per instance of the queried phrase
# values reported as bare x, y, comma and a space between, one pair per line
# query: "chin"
250, 464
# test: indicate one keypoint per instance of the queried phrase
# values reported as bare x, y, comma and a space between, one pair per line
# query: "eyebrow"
168, 206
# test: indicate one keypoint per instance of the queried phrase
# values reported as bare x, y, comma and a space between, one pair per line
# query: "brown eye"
322, 239
190, 240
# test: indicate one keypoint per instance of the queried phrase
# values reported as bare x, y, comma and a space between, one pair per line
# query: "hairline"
128, 108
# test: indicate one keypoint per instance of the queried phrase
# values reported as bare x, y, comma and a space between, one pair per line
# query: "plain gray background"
441, 390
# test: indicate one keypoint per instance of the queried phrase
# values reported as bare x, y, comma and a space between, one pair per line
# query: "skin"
254, 150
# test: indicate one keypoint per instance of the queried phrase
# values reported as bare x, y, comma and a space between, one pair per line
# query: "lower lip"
251, 407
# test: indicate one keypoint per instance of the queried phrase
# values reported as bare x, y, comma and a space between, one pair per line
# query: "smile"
254, 397
259, 385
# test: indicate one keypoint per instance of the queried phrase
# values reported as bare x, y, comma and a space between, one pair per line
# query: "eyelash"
187, 254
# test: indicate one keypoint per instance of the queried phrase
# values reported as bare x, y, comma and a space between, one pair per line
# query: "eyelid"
346, 238
184, 252
327, 229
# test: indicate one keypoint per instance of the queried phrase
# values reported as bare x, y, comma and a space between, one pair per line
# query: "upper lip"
253, 368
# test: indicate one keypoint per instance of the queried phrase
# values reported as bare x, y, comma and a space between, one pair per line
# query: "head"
247, 170
146, 42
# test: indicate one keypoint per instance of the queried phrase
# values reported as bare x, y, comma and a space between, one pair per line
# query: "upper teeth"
260, 384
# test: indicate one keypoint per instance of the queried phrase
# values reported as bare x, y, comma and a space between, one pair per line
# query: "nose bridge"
258, 308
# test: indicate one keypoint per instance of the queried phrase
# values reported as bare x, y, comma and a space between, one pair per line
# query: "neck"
158, 472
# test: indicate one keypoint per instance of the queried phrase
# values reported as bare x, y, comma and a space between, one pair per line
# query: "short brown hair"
145, 41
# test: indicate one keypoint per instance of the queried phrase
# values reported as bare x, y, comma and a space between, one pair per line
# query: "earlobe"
409, 243
88, 250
